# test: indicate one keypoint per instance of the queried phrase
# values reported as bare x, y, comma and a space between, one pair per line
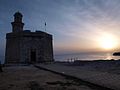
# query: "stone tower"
17, 25
24, 46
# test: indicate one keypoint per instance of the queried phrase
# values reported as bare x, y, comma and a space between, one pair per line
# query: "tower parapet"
17, 25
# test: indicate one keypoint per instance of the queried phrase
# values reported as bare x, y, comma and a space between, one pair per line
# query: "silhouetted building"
24, 46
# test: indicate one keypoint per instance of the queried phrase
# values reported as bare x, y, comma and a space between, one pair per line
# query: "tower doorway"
33, 56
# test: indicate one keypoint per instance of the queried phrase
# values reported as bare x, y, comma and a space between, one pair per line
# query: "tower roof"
18, 14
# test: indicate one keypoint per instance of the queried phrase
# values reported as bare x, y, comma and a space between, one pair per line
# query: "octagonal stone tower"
24, 46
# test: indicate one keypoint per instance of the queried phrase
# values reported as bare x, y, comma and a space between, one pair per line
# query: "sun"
108, 42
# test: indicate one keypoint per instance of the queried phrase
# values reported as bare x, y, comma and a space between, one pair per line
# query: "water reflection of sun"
108, 56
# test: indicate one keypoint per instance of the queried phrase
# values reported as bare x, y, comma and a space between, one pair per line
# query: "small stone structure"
24, 46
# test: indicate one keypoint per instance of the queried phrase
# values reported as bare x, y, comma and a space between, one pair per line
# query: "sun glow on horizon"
108, 42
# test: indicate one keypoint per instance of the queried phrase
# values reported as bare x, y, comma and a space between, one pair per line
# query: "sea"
86, 56
80, 56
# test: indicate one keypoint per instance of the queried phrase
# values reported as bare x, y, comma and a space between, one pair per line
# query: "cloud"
78, 21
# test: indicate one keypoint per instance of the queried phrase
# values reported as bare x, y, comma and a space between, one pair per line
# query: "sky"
76, 25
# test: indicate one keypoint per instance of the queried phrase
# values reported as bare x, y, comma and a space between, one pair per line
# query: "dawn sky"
76, 25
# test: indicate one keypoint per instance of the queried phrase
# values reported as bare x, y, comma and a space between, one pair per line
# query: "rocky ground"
110, 66
103, 73
31, 78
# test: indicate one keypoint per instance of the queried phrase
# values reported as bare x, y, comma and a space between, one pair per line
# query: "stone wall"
12, 54
19, 47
